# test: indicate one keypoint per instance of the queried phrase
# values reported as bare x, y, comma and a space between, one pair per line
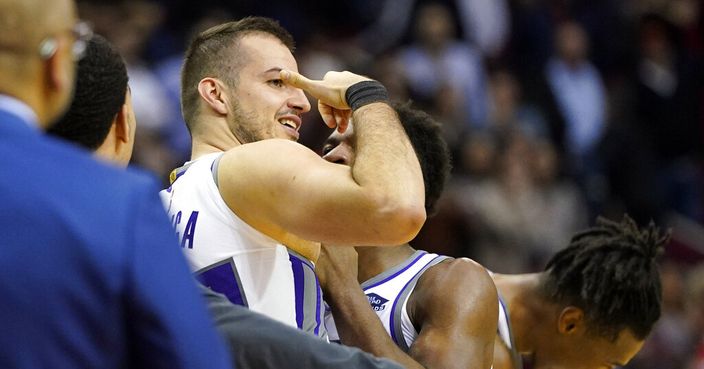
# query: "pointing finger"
318, 89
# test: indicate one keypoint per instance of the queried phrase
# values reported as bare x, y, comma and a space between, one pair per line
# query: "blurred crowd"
556, 111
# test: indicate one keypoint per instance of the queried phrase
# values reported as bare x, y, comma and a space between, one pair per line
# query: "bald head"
44, 82
23, 23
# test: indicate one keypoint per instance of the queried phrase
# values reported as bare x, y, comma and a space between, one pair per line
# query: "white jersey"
232, 258
388, 295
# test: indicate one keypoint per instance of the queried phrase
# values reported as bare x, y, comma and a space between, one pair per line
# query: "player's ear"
571, 321
122, 124
212, 91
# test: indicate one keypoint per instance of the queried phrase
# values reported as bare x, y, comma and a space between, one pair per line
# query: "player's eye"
327, 148
276, 82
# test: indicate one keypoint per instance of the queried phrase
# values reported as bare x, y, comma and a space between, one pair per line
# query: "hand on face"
336, 266
330, 92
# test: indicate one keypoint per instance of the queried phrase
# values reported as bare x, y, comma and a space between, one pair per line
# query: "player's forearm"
359, 326
387, 168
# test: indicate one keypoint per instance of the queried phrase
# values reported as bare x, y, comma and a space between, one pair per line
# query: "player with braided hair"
594, 304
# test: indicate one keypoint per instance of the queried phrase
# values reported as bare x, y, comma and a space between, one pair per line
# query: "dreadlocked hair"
610, 271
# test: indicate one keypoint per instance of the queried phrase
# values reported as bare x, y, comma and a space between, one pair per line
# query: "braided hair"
610, 272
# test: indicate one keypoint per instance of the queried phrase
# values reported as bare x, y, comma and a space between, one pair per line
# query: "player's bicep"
277, 185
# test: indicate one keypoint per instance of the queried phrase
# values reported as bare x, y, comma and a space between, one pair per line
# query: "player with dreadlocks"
592, 307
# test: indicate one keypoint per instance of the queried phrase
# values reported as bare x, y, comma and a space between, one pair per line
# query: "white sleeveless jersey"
232, 258
388, 295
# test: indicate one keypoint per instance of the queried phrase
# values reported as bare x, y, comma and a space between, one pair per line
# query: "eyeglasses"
82, 33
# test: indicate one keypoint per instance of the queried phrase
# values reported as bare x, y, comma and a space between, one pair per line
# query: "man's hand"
336, 267
330, 92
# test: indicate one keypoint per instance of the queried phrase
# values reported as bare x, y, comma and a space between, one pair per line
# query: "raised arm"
277, 185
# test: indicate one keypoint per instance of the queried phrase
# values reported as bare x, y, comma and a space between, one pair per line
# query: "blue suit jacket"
90, 272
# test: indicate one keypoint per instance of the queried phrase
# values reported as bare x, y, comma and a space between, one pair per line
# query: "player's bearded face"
246, 125
261, 106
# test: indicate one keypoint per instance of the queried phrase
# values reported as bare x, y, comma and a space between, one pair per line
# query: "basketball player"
98, 119
250, 186
440, 312
592, 307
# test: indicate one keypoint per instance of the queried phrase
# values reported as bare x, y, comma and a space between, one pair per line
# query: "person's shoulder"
456, 279
464, 271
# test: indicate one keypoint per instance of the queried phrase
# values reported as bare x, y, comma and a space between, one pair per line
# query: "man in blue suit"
90, 274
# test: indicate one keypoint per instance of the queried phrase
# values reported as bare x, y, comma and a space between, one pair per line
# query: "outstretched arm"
277, 185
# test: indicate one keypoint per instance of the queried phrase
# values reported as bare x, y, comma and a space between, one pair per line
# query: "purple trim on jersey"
299, 286
392, 326
397, 273
318, 302
223, 278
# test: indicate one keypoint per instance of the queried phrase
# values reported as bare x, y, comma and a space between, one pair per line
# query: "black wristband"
364, 93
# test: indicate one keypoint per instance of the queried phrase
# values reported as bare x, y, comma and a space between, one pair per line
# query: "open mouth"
289, 123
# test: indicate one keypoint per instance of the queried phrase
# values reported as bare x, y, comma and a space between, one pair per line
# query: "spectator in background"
578, 92
443, 71
508, 110
668, 93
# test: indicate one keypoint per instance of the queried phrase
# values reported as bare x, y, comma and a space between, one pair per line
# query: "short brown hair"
214, 53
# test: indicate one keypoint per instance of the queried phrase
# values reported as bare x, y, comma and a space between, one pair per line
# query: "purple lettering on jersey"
176, 220
190, 230
377, 302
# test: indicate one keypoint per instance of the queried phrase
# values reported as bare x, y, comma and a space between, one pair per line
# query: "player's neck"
217, 138
375, 260
520, 294
201, 148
